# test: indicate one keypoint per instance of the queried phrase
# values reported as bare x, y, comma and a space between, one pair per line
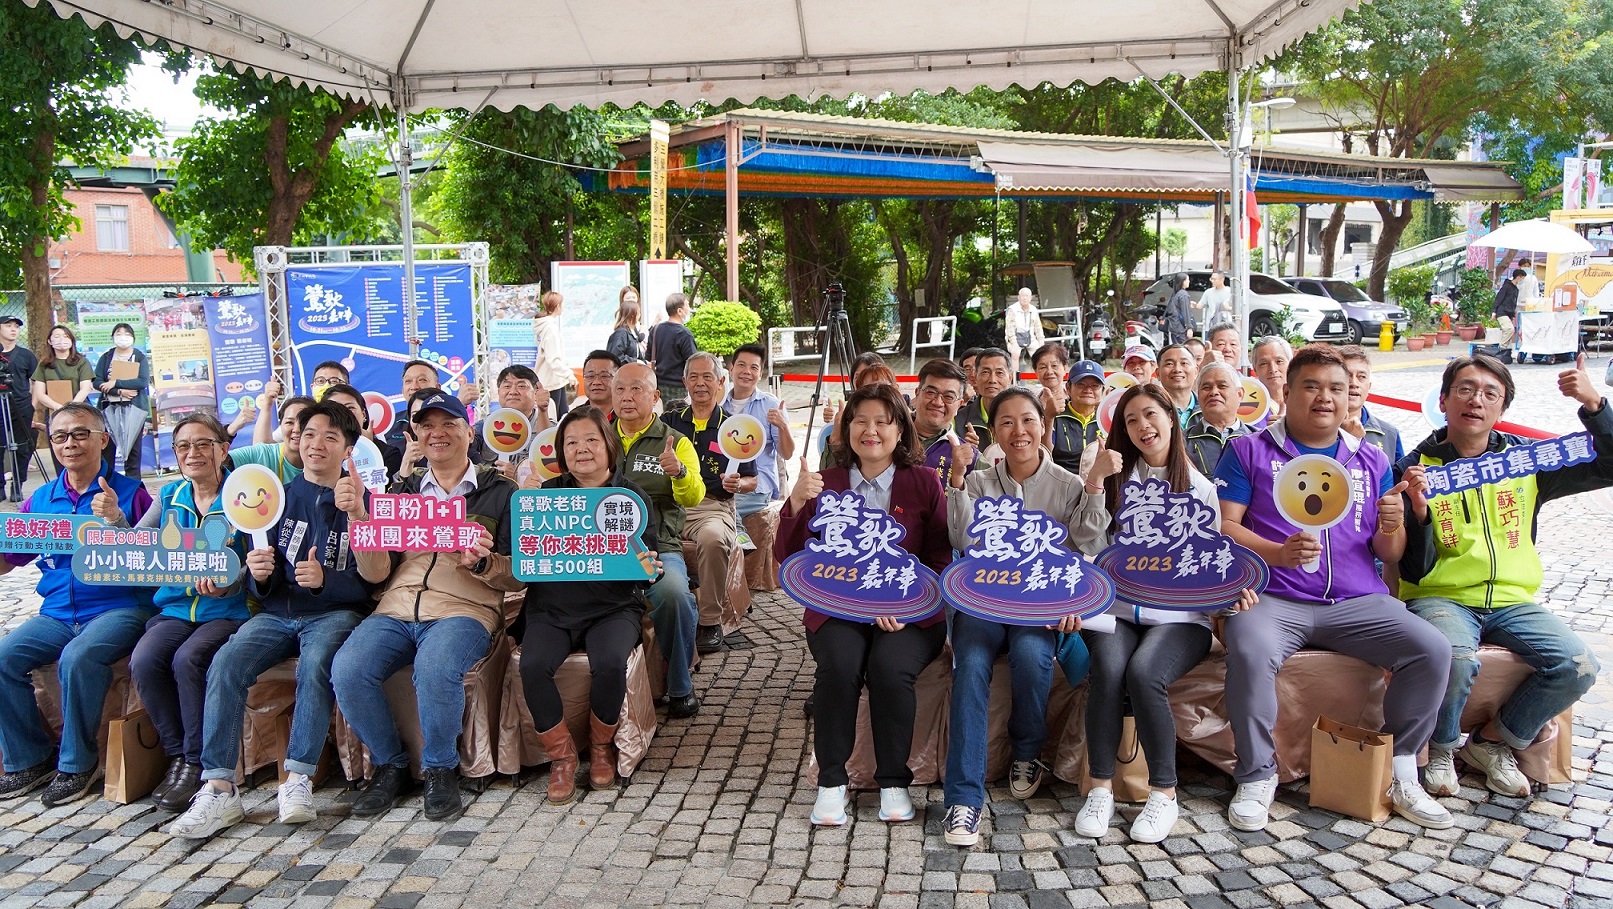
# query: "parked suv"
1315, 320
1366, 314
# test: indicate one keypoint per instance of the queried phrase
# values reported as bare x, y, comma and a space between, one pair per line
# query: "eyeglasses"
945, 397
1467, 391
77, 435
200, 446
323, 381
592, 376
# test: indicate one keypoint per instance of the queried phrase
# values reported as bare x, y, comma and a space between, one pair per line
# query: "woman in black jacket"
126, 402
627, 340
600, 618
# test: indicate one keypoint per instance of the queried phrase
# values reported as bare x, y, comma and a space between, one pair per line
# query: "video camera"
834, 297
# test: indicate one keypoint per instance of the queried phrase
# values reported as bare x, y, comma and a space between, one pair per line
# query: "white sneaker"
1417, 806
830, 809
1251, 804
210, 811
1439, 777
895, 806
1156, 821
1094, 818
1501, 773
297, 799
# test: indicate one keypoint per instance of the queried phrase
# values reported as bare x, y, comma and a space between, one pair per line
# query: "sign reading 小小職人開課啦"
414, 523
578, 534
1169, 553
1019, 571
158, 556
854, 570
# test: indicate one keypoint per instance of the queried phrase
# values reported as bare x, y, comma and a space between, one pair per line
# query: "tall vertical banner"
1593, 182
510, 340
239, 331
590, 292
1573, 183
354, 314
180, 354
657, 280
660, 135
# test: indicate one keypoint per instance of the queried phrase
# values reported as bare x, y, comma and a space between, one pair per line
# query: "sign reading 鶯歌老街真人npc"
238, 329
580, 534
1511, 463
1019, 572
354, 314
405, 523
1169, 553
159, 556
45, 534
854, 570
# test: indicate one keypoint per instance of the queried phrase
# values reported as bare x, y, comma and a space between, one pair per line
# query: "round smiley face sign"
543, 458
506, 431
1431, 411
1119, 381
741, 438
1256, 403
253, 501
1107, 407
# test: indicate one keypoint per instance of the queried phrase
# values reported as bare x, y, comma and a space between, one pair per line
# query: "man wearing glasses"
82, 628
1471, 569
940, 395
327, 374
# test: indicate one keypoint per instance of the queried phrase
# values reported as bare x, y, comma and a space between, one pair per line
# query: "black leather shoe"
708, 638
178, 796
382, 794
184, 788
683, 708
175, 765
443, 799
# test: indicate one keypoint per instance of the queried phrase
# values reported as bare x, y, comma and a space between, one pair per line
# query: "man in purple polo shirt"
1340, 603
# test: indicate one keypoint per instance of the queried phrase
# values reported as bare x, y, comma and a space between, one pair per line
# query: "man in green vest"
662, 462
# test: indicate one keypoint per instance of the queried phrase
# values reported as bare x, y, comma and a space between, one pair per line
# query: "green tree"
1419, 75
1174, 243
274, 172
58, 78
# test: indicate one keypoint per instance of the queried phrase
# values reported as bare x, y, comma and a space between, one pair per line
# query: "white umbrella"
1536, 236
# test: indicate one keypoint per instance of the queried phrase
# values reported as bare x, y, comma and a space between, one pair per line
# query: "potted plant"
1474, 292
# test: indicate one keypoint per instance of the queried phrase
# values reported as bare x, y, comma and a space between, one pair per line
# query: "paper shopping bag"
134, 759
1130, 782
1350, 770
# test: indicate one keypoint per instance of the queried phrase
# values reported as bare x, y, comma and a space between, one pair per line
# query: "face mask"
61, 344
124, 342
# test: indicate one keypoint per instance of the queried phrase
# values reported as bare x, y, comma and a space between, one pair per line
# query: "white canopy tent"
413, 55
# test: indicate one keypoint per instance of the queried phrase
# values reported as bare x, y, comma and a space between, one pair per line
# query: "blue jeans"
442, 651
748, 503
1564, 666
83, 654
975, 645
673, 613
256, 647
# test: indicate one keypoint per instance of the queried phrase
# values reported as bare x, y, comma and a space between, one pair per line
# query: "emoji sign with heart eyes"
543, 458
506, 432
741, 438
253, 500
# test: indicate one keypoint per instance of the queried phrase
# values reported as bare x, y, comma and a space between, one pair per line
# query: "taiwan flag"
1251, 210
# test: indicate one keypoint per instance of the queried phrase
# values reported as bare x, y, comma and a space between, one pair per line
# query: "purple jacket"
1346, 568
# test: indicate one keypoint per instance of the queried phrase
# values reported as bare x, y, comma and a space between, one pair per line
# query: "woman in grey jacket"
1027, 472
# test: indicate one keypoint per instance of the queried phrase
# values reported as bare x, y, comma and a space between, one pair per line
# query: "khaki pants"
1509, 332
711, 527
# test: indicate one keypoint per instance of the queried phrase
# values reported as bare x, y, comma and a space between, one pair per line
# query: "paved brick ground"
717, 817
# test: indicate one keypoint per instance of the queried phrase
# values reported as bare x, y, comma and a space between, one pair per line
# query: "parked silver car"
1366, 314
1315, 320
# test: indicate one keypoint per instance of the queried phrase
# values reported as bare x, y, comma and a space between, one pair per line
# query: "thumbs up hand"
779, 417
1106, 465
964, 452
1416, 477
1392, 509
310, 573
105, 505
670, 465
1576, 383
807, 486
350, 494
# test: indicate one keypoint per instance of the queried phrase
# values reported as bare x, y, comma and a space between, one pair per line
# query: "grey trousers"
1377, 629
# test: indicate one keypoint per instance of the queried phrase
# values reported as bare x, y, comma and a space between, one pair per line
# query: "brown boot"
563, 763
601, 753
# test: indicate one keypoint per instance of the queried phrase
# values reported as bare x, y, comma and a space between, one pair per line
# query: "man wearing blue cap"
1075, 427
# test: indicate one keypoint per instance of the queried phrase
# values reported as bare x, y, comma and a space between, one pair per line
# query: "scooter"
1099, 337
1147, 329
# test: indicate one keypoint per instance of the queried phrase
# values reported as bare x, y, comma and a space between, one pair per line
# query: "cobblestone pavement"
717, 814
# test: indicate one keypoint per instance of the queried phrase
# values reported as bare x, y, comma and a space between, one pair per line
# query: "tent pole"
731, 204
411, 310
1299, 242
1239, 232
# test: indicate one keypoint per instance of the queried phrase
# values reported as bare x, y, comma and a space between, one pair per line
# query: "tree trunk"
1394, 224
938, 227
906, 309
1330, 239
36, 254
291, 189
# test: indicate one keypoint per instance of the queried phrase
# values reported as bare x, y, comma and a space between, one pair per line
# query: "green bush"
1409, 287
723, 326
1474, 294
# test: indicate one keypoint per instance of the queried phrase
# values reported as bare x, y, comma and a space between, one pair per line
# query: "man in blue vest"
83, 629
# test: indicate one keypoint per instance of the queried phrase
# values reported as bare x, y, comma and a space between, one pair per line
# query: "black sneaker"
382, 794
70, 787
443, 800
683, 708
21, 782
708, 639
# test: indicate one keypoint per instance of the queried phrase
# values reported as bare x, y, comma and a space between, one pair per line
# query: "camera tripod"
15, 462
835, 330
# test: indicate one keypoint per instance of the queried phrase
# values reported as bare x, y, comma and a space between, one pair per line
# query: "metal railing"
948, 337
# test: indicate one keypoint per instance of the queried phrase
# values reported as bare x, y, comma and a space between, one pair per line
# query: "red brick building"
123, 239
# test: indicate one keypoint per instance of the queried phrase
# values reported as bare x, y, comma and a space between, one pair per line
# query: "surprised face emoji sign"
1313, 492
506, 432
